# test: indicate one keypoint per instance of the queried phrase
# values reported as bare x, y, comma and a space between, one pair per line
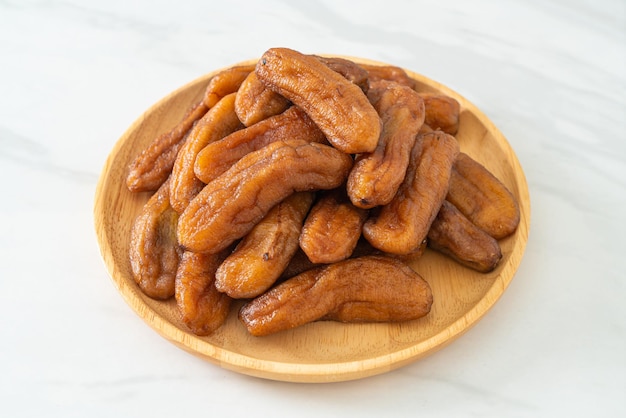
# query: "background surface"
550, 74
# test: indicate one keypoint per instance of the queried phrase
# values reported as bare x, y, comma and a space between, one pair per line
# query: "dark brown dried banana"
229, 206
202, 307
154, 252
482, 198
263, 254
376, 176
451, 233
401, 226
337, 106
332, 229
364, 289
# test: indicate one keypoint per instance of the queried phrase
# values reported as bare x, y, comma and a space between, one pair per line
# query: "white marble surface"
550, 74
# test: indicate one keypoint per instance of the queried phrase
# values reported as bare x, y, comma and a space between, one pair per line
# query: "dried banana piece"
226, 82
332, 229
442, 112
261, 256
388, 73
482, 198
219, 121
401, 226
364, 289
350, 70
376, 176
256, 102
202, 307
229, 206
219, 156
153, 166
451, 233
337, 106
154, 253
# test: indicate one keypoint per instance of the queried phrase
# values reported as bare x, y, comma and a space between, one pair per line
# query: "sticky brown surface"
202, 308
218, 122
451, 233
255, 102
402, 225
442, 112
364, 289
376, 176
229, 206
154, 252
217, 157
332, 229
153, 166
264, 253
482, 198
337, 106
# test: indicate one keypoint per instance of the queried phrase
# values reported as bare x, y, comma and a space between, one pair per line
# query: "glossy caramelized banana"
442, 112
336, 105
229, 206
332, 229
226, 82
263, 254
451, 233
388, 73
402, 225
154, 251
153, 166
202, 307
482, 198
376, 176
364, 289
350, 70
255, 102
219, 156
219, 121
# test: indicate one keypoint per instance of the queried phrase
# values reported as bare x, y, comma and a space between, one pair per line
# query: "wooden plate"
322, 351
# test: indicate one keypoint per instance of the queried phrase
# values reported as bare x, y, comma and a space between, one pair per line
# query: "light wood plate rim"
305, 371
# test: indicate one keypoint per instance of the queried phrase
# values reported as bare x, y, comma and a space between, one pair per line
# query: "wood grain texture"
322, 351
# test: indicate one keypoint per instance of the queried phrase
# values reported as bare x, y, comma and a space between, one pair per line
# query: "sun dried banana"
263, 254
154, 251
219, 121
388, 73
442, 112
229, 206
219, 156
202, 307
226, 82
153, 166
482, 198
451, 233
350, 70
255, 102
332, 229
402, 225
364, 289
337, 106
376, 176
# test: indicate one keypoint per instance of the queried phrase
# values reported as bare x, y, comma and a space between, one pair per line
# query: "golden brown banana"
364, 289
451, 233
336, 105
401, 226
154, 252
263, 254
229, 206
482, 198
